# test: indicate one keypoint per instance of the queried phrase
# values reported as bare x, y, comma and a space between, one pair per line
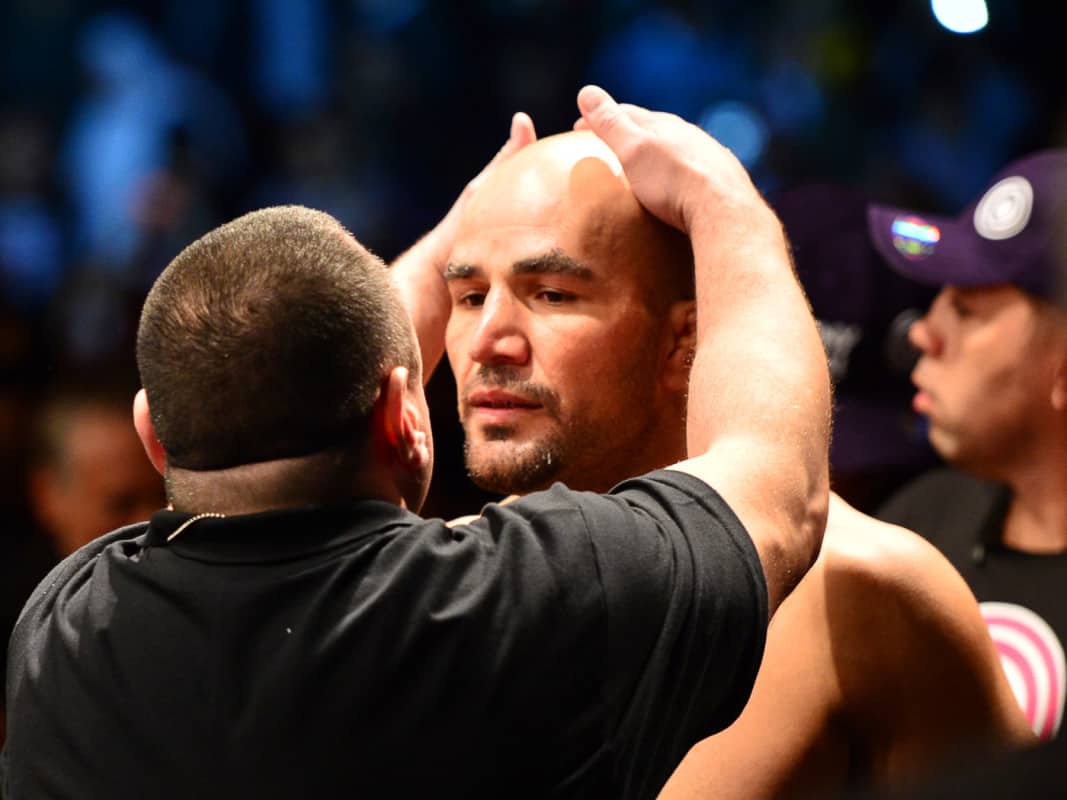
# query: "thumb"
604, 116
522, 130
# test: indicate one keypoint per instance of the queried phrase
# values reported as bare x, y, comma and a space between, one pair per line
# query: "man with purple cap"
992, 384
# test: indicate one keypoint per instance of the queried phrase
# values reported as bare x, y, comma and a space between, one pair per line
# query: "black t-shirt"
1023, 596
566, 645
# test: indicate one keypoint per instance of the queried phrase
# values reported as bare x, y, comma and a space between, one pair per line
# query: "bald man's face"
556, 338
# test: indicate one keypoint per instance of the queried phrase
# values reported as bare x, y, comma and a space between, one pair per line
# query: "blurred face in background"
987, 376
96, 479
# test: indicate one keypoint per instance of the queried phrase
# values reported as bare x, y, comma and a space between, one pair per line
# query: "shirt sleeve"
686, 596
682, 608
39, 604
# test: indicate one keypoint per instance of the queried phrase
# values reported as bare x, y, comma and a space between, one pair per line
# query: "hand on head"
674, 168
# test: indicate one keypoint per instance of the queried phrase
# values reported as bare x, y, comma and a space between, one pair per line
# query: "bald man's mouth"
499, 407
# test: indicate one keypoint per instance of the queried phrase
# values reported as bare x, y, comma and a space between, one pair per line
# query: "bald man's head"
573, 182
571, 322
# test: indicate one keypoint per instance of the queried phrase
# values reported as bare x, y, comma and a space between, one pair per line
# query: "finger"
605, 117
638, 114
521, 134
522, 129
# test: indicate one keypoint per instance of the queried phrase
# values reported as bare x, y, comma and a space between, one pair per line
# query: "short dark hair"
269, 338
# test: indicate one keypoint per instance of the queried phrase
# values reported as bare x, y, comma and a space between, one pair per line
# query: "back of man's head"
268, 338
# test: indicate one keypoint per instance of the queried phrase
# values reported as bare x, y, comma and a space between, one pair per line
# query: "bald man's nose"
499, 337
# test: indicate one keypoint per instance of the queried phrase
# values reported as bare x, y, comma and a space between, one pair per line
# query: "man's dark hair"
269, 338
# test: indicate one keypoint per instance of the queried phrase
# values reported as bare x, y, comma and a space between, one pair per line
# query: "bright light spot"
738, 127
961, 16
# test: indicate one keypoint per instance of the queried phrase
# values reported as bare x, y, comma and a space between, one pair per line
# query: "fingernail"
591, 97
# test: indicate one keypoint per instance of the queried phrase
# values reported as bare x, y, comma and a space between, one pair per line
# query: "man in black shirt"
290, 627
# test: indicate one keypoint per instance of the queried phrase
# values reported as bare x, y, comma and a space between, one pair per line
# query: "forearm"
759, 387
759, 393
418, 275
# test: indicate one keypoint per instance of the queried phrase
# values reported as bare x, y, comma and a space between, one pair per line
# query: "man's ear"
146, 431
681, 337
400, 420
1058, 397
1056, 346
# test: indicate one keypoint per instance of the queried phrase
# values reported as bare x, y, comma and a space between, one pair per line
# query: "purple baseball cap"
1009, 236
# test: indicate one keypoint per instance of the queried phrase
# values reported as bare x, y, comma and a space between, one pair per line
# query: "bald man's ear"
146, 431
681, 344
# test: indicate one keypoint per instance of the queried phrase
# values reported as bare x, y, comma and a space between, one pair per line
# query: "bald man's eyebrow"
455, 272
554, 262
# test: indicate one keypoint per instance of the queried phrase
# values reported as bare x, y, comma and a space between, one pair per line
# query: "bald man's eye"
471, 299
554, 297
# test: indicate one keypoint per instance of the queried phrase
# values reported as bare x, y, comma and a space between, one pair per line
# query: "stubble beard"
499, 463
514, 467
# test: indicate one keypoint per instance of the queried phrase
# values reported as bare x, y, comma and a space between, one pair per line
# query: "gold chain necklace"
191, 520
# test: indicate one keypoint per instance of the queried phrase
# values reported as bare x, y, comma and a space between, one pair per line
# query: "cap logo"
914, 237
1004, 210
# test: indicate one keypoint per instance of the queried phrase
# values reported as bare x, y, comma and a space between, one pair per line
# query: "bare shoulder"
913, 651
881, 665
863, 554
887, 578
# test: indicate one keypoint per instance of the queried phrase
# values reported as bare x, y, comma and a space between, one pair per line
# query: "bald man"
570, 336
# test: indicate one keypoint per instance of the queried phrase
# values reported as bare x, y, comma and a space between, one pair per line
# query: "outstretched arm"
759, 397
419, 272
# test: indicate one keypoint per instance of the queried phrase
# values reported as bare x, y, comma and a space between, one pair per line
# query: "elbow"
798, 549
